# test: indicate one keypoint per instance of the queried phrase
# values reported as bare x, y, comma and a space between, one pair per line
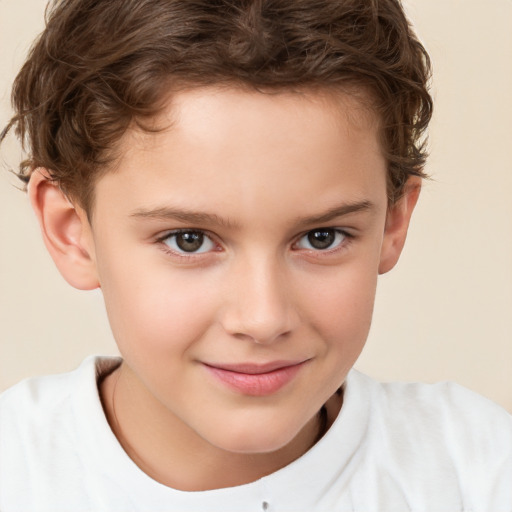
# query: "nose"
259, 304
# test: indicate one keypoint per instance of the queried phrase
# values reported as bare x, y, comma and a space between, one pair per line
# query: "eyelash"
184, 255
342, 245
345, 242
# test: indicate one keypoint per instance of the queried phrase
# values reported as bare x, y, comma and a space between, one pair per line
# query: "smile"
256, 380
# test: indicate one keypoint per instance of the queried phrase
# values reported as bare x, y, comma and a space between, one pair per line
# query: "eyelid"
160, 239
348, 237
170, 232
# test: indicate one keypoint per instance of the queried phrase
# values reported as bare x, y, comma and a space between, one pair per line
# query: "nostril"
259, 307
257, 336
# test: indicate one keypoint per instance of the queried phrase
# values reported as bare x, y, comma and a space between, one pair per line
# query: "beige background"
444, 313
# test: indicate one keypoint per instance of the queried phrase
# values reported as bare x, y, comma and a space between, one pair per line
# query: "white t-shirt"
394, 447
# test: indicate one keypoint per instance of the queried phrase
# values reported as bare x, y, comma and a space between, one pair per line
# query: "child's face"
246, 237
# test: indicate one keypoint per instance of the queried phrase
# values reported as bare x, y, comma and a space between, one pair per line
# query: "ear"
397, 223
66, 231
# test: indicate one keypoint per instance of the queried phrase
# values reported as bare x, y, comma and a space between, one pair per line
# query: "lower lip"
260, 384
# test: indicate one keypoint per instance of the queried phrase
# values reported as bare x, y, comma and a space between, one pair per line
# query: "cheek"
341, 306
155, 309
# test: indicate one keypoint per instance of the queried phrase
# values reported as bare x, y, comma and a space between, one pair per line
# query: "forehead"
219, 147
231, 106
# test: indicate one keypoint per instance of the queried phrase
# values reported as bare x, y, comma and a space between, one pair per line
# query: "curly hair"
101, 65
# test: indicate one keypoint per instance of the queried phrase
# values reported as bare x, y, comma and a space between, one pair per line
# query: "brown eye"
321, 239
189, 242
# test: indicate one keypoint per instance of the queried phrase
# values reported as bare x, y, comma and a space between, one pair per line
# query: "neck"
173, 454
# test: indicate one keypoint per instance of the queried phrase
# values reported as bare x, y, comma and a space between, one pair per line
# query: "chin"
255, 439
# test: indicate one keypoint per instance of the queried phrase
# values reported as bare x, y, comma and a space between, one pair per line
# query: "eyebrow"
336, 212
182, 215
211, 219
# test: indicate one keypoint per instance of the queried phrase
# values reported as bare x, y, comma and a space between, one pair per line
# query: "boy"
234, 176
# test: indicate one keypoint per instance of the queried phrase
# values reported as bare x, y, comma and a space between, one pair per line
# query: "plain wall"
445, 313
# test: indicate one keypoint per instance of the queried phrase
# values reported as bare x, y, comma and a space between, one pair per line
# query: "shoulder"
53, 388
39, 421
48, 400
447, 408
30, 404
40, 408
445, 404
37, 398
444, 412
444, 433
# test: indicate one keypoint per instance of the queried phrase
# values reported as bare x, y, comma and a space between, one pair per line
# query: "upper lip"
255, 368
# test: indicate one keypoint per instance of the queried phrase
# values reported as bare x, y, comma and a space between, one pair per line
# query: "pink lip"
254, 379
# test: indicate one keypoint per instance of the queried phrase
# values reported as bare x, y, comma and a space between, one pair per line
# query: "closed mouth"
256, 379
254, 368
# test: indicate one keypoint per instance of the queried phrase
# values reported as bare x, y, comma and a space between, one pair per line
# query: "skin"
255, 173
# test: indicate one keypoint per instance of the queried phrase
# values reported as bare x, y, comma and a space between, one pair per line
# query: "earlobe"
397, 224
66, 231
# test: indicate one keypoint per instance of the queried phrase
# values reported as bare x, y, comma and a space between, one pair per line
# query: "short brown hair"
101, 65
